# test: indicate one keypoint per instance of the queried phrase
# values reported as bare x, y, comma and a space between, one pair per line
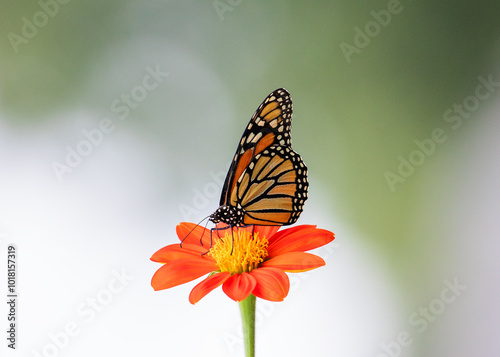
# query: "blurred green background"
355, 113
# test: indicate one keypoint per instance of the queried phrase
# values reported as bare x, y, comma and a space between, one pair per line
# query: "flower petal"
267, 231
206, 286
181, 271
295, 262
288, 231
264, 231
299, 240
272, 284
175, 252
192, 233
239, 286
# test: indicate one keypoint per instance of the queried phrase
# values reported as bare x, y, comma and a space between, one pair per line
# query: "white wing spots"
249, 138
256, 138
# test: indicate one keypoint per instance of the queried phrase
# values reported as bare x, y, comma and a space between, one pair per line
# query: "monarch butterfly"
267, 181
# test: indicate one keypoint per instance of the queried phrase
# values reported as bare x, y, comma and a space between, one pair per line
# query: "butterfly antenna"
191, 231
201, 238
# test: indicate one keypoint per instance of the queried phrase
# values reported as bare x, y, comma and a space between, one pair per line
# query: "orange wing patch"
242, 165
264, 143
267, 217
268, 108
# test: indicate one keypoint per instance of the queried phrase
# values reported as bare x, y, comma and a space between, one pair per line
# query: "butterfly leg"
232, 240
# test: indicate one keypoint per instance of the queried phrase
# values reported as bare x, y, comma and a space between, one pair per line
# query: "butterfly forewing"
269, 125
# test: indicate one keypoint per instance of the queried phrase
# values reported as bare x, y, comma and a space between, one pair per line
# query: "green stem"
247, 308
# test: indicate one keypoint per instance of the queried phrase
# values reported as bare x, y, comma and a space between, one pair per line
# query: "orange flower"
242, 262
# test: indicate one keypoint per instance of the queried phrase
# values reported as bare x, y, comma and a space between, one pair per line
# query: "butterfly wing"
273, 188
270, 125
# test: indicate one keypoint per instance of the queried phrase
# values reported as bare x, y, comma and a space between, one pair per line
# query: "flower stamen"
239, 252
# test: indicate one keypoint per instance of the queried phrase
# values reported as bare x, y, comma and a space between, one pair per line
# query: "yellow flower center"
242, 255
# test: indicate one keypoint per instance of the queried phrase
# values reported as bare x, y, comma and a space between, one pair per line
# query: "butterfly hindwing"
273, 188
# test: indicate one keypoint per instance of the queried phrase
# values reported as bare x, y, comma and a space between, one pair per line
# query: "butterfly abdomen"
230, 215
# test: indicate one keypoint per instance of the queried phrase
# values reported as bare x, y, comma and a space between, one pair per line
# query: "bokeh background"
414, 269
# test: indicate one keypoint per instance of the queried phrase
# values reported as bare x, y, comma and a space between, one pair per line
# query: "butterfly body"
230, 215
267, 181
